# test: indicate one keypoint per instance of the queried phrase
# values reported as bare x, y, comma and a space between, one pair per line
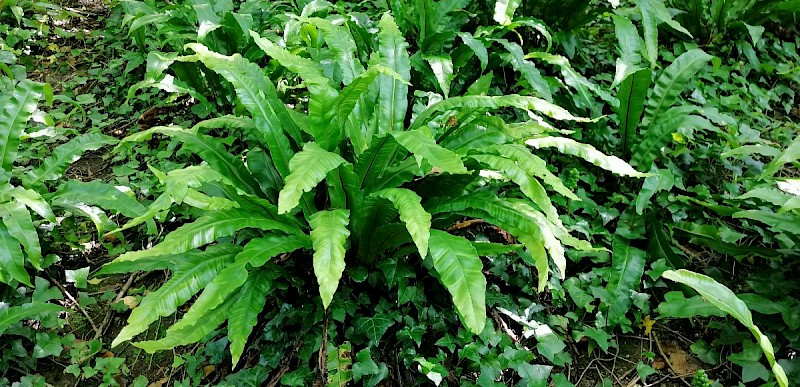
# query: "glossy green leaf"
342, 45
423, 146
630, 48
627, 266
258, 95
632, 93
322, 102
211, 151
308, 168
473, 102
329, 234
442, 67
790, 154
354, 92
12, 315
16, 108
184, 334
63, 156
531, 74
102, 195
724, 299
504, 11
585, 89
416, 219
209, 228
587, 152
477, 47
660, 244
659, 180
670, 83
247, 305
655, 12
783, 222
534, 166
259, 250
529, 186
33, 201
19, 225
460, 270
392, 93
189, 276
11, 259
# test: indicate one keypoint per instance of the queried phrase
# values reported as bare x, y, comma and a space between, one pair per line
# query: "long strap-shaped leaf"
34, 201
247, 305
353, 93
416, 219
258, 95
20, 226
15, 314
15, 111
341, 44
660, 134
529, 186
191, 274
103, 195
792, 153
210, 150
534, 166
724, 299
308, 168
630, 47
473, 102
329, 234
529, 71
461, 272
631, 94
423, 146
372, 163
584, 87
322, 97
505, 216
209, 228
392, 100
184, 333
587, 152
54, 166
670, 84
258, 251
12, 262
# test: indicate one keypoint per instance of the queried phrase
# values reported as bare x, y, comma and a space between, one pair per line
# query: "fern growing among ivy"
349, 174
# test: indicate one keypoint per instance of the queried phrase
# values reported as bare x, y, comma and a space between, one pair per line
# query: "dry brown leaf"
159, 383
130, 301
683, 363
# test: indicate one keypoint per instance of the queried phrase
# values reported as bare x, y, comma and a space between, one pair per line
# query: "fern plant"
643, 136
711, 21
25, 192
350, 174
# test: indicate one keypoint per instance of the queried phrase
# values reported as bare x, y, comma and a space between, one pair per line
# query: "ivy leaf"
364, 365
373, 327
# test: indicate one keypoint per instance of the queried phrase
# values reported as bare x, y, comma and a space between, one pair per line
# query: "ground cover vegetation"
457, 192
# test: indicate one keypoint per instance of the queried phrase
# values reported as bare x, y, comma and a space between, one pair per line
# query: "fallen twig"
77, 304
